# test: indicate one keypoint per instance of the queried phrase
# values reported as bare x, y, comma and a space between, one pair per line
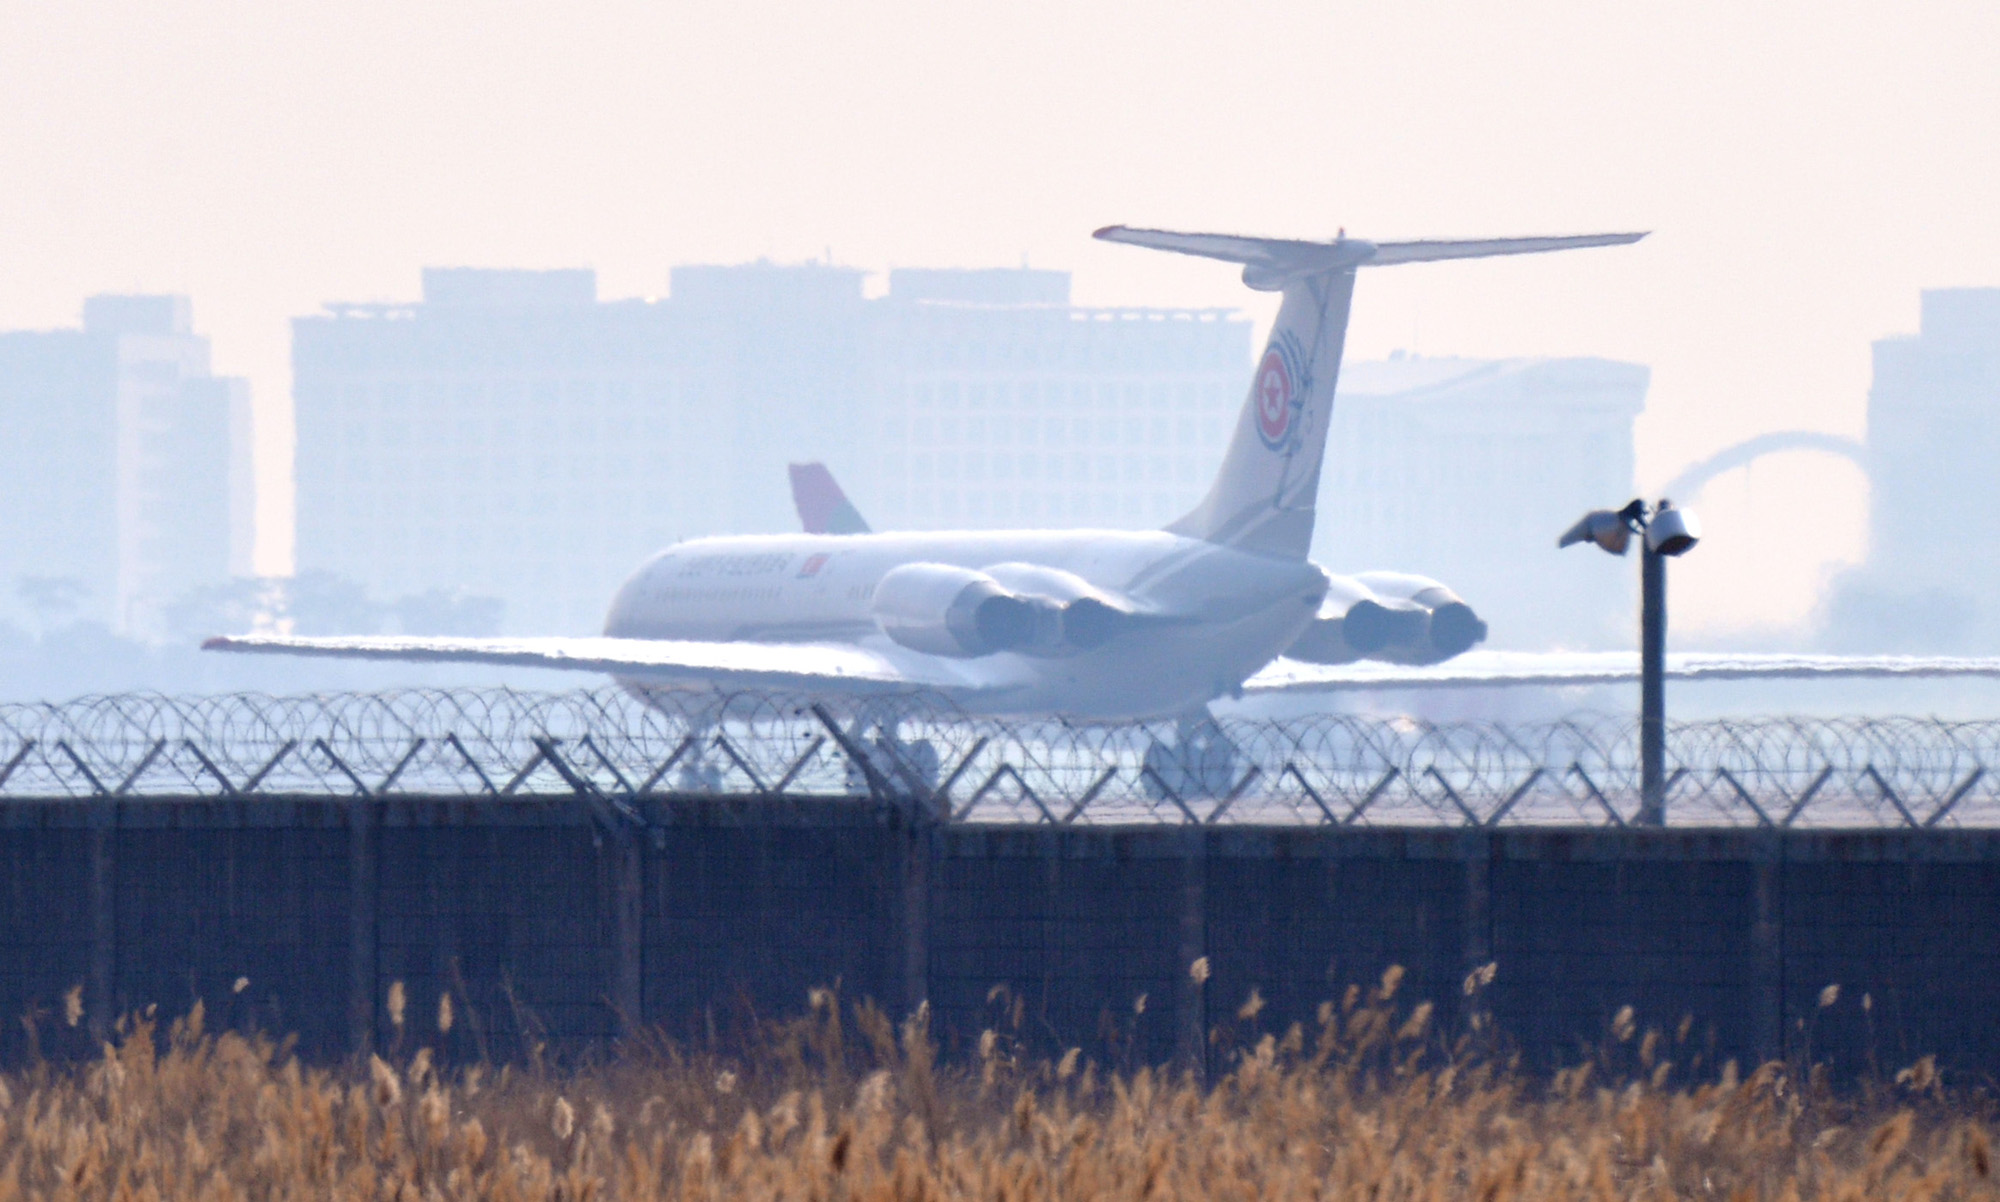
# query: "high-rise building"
125, 472
511, 436
1933, 439
1466, 470
998, 403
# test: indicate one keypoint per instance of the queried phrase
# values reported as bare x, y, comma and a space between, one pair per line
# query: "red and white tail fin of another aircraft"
823, 508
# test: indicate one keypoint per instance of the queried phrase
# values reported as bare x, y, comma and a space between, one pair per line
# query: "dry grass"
843, 1104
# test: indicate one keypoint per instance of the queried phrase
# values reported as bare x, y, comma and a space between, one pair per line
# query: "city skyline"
1807, 173
939, 289
1840, 487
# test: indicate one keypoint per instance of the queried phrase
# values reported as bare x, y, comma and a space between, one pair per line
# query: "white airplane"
1393, 617
1093, 624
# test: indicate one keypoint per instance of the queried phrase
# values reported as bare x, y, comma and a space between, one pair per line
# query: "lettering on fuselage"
770, 563
710, 595
769, 592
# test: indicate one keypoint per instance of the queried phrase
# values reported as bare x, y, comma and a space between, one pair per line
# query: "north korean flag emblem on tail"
1277, 398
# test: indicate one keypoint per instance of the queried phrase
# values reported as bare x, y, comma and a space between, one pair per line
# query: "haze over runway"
1808, 168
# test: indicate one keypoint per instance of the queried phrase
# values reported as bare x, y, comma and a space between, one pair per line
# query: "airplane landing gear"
1200, 762
900, 763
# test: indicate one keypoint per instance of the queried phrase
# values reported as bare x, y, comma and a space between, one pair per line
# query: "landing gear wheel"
894, 760
1200, 762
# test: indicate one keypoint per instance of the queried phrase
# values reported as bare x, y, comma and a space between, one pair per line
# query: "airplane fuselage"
1210, 616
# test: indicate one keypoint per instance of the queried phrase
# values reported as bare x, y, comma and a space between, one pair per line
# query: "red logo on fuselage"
812, 565
1275, 390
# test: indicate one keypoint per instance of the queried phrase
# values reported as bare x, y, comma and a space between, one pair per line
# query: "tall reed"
844, 1103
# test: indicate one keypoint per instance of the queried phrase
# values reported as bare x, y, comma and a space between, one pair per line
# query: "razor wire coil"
615, 747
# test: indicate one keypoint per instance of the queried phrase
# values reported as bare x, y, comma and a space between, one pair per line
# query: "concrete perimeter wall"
550, 922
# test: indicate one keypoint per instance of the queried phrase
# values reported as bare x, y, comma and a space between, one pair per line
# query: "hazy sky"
1808, 168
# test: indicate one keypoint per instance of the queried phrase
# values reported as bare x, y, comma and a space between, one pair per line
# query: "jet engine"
1388, 616
1453, 627
943, 609
1087, 615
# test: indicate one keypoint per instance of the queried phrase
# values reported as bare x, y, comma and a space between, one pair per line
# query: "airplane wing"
849, 669
1499, 669
785, 667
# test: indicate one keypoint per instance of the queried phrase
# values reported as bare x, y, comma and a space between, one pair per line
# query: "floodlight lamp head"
1672, 531
1605, 527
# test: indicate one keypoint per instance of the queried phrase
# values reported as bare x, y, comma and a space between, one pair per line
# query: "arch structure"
1692, 478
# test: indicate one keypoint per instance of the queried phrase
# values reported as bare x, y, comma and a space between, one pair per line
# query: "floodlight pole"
1652, 687
1662, 531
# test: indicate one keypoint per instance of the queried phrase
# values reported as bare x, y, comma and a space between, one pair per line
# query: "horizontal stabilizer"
1432, 249
1288, 256
1235, 248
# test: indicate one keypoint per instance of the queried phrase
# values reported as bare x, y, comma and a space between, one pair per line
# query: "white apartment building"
1933, 440
125, 466
1468, 469
512, 436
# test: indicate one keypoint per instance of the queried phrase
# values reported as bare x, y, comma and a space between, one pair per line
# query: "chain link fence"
614, 747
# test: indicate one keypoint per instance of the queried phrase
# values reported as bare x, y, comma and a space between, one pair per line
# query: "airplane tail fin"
823, 508
1263, 498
